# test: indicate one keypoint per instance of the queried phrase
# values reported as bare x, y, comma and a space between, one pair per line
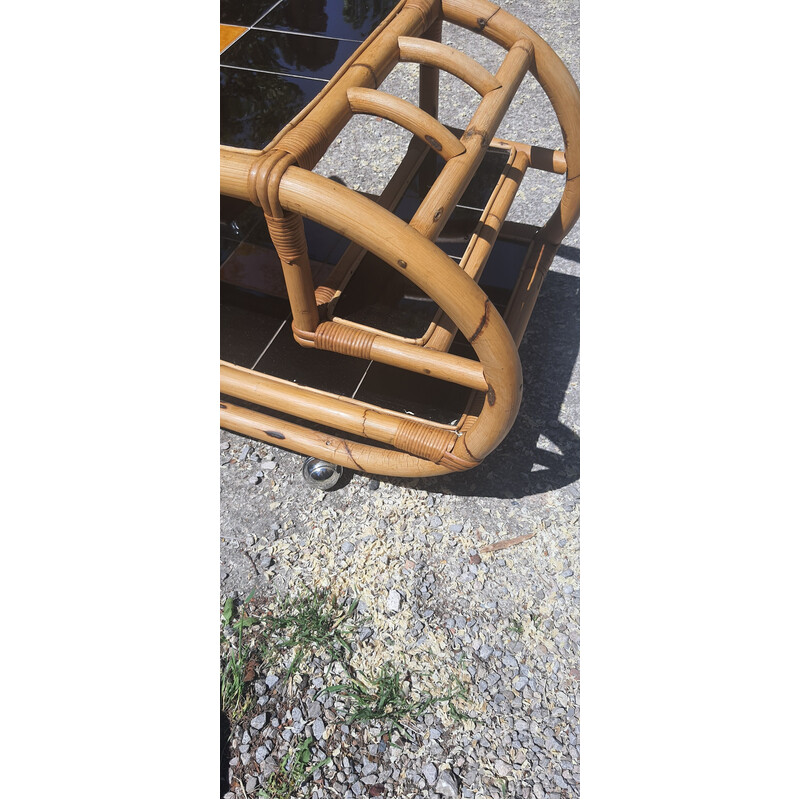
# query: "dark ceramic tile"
379, 296
341, 19
382, 298
479, 189
237, 217
400, 390
226, 247
247, 323
288, 54
254, 106
258, 269
243, 12
330, 372
502, 269
458, 231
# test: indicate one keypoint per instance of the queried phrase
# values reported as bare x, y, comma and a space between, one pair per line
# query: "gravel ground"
504, 623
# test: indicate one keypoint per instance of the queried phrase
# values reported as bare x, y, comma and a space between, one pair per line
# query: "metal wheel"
321, 474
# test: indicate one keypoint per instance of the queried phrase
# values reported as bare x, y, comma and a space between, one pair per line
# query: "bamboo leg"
429, 75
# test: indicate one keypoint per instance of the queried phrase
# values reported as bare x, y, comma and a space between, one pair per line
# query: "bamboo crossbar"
278, 179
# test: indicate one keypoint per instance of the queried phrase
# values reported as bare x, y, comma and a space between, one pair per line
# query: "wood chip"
503, 543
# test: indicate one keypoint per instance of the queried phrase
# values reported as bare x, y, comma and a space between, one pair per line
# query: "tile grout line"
309, 35
269, 343
270, 72
362, 380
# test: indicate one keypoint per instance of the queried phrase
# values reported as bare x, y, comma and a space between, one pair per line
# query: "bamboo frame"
279, 180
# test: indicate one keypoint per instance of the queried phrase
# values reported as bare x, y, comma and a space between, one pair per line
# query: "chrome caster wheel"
321, 474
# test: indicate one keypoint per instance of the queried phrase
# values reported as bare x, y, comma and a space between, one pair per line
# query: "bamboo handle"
408, 116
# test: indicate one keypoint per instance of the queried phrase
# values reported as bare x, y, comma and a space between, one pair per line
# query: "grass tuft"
233, 688
388, 698
292, 772
308, 623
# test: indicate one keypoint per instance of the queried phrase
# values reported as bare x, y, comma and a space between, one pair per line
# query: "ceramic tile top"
340, 19
243, 12
254, 106
289, 54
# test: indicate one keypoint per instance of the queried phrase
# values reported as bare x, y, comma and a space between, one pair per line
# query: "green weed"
292, 772
387, 698
308, 623
232, 682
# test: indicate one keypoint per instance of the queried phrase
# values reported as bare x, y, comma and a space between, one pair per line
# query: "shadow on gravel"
540, 453
224, 752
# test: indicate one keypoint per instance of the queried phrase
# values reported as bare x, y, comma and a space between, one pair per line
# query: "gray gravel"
506, 622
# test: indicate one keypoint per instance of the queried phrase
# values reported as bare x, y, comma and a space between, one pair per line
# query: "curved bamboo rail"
435, 54
408, 116
279, 180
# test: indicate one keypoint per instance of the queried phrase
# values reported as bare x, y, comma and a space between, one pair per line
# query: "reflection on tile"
237, 217
400, 390
226, 247
254, 106
255, 268
229, 34
243, 12
289, 54
247, 323
327, 371
341, 19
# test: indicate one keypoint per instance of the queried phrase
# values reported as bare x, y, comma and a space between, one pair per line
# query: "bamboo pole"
428, 76
419, 437
336, 449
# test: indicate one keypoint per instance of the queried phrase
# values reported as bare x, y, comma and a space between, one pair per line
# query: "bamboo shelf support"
279, 180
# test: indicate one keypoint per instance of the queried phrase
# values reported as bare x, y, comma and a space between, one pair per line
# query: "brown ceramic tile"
407, 392
330, 372
229, 34
258, 269
247, 324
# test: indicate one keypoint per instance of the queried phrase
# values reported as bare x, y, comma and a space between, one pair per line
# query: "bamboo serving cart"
338, 431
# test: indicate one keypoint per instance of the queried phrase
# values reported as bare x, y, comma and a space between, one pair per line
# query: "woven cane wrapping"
307, 143
423, 440
344, 339
288, 236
